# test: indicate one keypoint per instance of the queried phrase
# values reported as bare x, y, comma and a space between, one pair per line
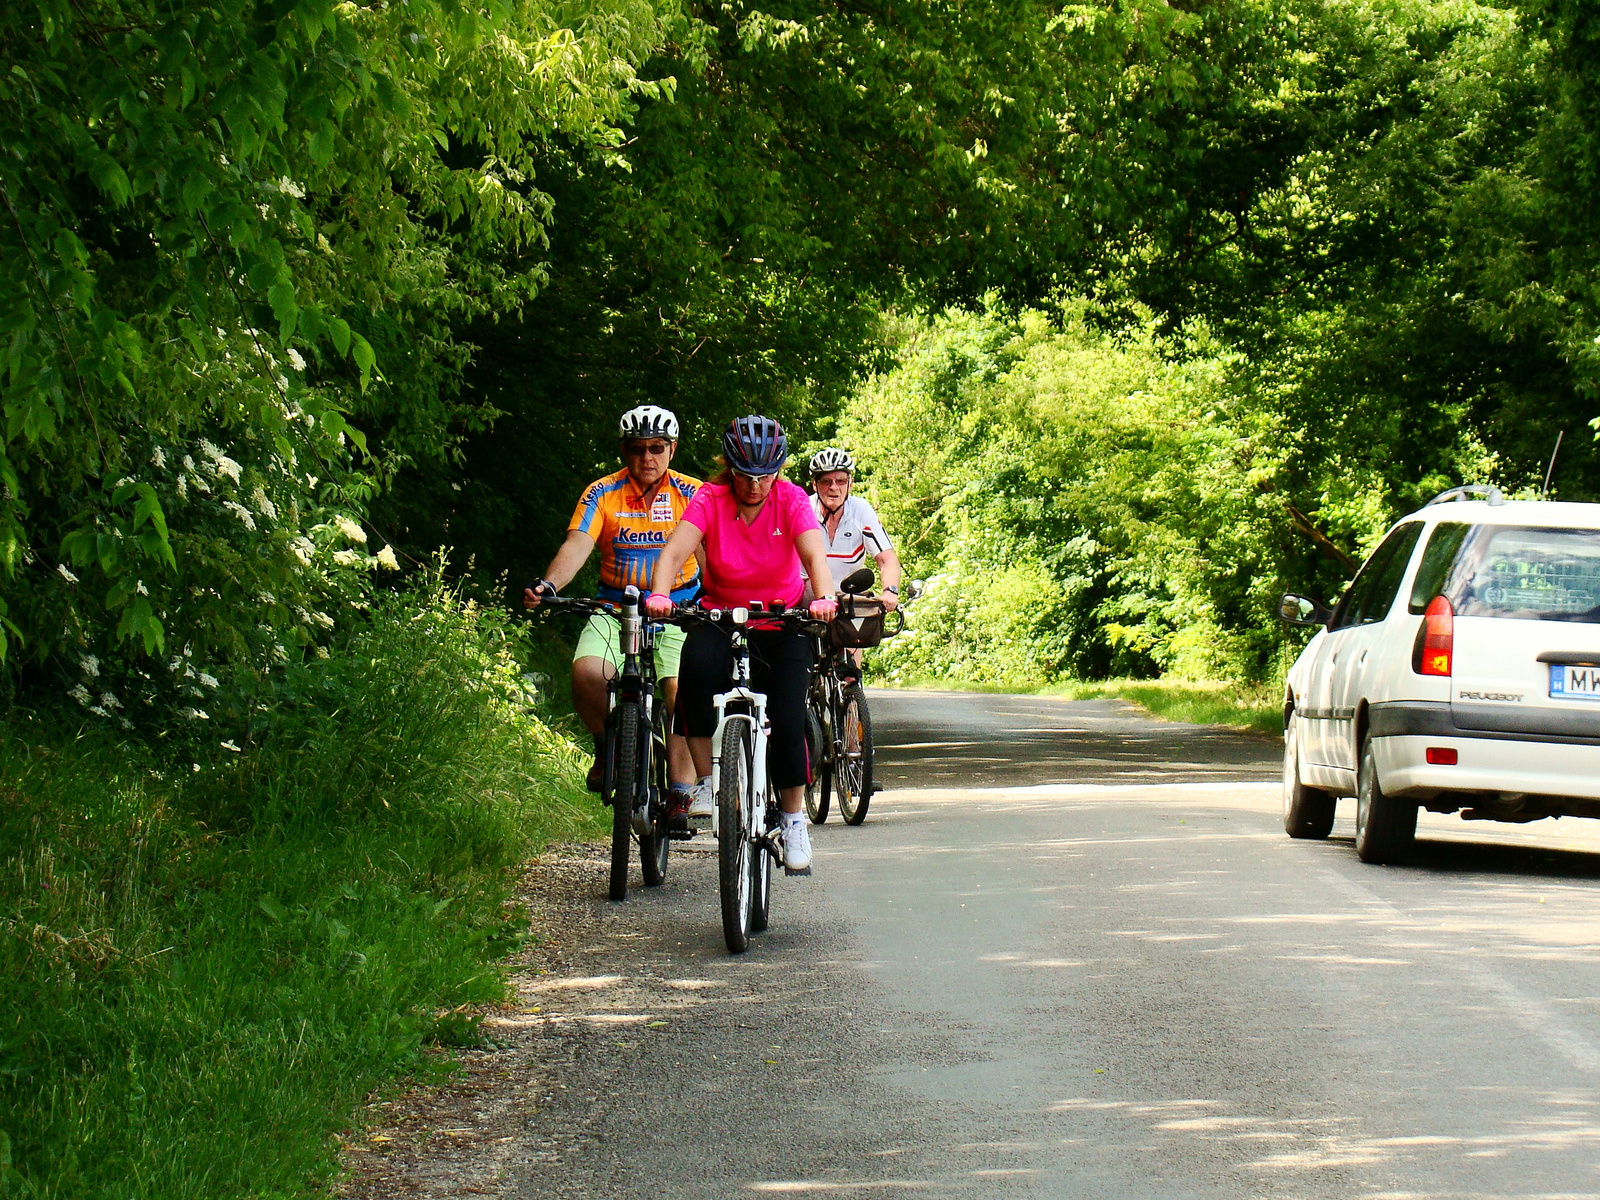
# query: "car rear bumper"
1487, 765
1499, 722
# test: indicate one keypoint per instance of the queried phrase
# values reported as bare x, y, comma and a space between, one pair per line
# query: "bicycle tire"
734, 874
655, 847
625, 783
761, 876
819, 783
853, 773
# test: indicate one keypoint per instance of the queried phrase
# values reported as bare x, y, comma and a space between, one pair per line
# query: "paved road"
1084, 983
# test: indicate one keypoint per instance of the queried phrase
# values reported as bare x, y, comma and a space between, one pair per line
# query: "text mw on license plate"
1575, 683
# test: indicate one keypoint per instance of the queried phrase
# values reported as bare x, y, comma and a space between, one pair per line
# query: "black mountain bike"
838, 720
634, 750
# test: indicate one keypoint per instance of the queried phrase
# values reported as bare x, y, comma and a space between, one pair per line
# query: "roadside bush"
211, 952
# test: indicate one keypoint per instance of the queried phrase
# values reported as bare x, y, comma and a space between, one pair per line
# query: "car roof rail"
1470, 491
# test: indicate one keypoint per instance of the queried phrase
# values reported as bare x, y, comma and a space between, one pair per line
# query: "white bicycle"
745, 822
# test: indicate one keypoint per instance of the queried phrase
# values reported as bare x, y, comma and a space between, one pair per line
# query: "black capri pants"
780, 667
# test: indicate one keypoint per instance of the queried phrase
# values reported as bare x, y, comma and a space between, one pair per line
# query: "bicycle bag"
859, 623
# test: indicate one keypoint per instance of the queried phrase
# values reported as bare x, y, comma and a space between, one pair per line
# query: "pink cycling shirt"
756, 562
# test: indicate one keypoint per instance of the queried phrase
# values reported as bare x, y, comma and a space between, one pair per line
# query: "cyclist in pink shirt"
756, 532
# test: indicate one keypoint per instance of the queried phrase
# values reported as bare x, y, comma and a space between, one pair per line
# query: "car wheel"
1386, 828
1307, 812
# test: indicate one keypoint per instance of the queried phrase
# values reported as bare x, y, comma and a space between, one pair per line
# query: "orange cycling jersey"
612, 511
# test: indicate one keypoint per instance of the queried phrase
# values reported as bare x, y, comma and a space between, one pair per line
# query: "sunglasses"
738, 474
638, 449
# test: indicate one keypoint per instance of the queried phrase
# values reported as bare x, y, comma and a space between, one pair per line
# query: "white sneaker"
701, 802
796, 848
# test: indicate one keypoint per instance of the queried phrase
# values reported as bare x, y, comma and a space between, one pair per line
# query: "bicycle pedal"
680, 835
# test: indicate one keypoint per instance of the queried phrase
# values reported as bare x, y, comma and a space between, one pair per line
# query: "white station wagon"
1460, 672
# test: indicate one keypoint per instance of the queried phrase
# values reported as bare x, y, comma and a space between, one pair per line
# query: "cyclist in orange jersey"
628, 515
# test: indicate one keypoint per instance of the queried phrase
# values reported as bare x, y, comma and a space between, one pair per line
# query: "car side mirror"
1302, 610
915, 589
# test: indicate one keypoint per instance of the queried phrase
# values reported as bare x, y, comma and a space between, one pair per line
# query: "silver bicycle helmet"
832, 459
648, 421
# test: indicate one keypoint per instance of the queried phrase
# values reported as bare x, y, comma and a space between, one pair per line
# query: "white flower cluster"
264, 506
350, 529
241, 512
221, 464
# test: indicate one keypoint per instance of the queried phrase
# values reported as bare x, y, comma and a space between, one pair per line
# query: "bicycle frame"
636, 682
756, 718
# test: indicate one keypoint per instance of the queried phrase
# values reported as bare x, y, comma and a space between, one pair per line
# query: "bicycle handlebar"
788, 618
583, 606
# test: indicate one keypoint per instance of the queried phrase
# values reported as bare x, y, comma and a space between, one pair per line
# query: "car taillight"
1436, 638
1442, 756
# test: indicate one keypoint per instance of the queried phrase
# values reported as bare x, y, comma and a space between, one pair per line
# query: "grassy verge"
1255, 707
1242, 706
208, 959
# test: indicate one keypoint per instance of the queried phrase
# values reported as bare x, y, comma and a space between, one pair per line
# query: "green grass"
203, 973
1256, 707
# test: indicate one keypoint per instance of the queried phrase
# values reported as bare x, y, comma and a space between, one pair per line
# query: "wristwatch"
892, 590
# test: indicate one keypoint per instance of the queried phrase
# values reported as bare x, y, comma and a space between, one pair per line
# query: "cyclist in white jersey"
850, 527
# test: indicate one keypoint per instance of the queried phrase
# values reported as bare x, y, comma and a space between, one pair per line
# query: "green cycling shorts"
602, 638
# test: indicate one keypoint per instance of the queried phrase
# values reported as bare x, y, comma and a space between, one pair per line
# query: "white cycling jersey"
860, 533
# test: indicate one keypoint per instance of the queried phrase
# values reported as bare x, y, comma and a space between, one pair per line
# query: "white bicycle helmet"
648, 421
832, 459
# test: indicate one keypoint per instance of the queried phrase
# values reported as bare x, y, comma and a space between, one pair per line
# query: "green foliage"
228, 228
1086, 504
210, 957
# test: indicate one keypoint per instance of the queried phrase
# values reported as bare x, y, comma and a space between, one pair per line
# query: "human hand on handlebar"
658, 604
535, 592
890, 601
823, 608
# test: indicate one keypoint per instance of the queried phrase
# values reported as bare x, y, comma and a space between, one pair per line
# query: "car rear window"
1527, 573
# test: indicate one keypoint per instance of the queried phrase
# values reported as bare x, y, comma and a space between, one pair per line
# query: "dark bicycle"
634, 750
838, 719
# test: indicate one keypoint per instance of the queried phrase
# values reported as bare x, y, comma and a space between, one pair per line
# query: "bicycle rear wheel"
819, 781
853, 771
624, 788
656, 844
735, 875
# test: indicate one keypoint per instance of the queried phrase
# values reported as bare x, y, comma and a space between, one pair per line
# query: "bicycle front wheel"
624, 792
733, 835
655, 845
817, 781
761, 870
853, 773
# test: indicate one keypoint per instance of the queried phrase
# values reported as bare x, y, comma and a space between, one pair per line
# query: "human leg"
594, 665
704, 668
669, 658
780, 665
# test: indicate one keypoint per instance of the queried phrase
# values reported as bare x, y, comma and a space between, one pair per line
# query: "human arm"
685, 541
889, 567
568, 562
813, 553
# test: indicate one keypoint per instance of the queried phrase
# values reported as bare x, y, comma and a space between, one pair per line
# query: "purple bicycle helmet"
755, 445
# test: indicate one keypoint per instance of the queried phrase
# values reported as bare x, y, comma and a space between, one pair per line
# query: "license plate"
1575, 683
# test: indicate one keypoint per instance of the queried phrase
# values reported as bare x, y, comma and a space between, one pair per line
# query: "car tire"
1386, 828
1307, 812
